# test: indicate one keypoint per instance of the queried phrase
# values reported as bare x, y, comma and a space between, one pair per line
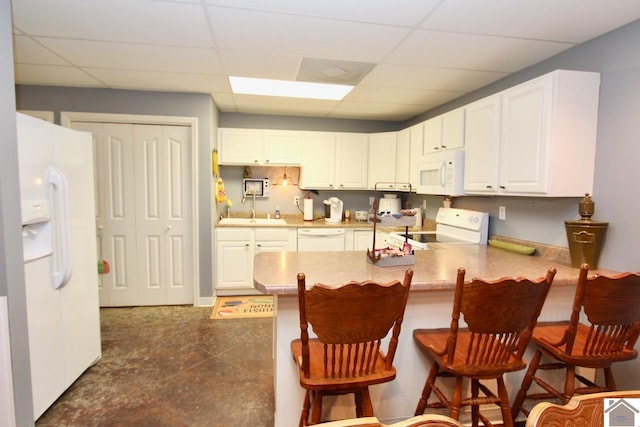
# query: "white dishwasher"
320, 239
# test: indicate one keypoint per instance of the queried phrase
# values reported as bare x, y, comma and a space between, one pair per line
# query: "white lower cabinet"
361, 240
235, 249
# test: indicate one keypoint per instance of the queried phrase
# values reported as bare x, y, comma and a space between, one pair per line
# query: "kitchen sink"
252, 221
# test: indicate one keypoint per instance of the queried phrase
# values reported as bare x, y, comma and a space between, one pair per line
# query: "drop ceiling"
421, 53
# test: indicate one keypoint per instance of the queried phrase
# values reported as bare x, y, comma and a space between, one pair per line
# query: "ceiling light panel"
288, 89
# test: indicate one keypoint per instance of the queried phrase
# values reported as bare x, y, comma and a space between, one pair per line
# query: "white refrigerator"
60, 255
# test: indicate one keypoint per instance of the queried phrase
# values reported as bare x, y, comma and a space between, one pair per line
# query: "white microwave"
259, 186
441, 173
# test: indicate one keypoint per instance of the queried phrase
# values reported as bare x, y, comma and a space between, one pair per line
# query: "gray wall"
11, 262
201, 106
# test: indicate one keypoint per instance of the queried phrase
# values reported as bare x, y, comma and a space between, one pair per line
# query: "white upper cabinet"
416, 136
351, 161
240, 146
334, 161
403, 160
482, 139
444, 132
382, 160
544, 132
318, 160
282, 147
259, 147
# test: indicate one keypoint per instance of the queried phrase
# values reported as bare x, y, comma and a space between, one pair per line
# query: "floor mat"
243, 307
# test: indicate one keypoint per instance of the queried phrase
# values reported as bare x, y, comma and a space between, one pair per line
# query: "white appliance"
452, 226
334, 208
441, 173
321, 239
60, 255
258, 186
389, 204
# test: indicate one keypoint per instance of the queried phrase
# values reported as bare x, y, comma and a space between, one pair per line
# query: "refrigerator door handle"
62, 228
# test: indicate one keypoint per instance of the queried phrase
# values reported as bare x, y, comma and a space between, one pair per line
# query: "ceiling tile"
391, 12
170, 82
303, 36
52, 75
224, 101
389, 95
442, 79
127, 56
264, 65
472, 52
283, 106
139, 21
565, 21
375, 111
29, 51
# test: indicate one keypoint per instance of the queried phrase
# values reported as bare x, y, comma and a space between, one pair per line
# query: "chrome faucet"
253, 202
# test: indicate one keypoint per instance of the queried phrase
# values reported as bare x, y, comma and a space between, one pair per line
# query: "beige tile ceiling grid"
415, 54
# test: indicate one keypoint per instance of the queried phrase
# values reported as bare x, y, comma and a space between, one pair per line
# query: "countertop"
296, 221
435, 269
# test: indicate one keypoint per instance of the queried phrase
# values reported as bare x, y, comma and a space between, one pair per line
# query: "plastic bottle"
278, 212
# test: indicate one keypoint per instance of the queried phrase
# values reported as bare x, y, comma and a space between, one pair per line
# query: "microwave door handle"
443, 174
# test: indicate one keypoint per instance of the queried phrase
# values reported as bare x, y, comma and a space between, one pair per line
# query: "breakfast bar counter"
429, 306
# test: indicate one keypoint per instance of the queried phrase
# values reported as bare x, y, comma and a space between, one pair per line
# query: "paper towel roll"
308, 209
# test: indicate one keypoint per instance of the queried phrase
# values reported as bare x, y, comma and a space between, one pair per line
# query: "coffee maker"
333, 209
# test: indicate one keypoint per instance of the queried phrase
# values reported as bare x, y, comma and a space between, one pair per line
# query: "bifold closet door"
143, 212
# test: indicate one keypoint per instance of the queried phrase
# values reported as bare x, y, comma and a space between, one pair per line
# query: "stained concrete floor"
173, 366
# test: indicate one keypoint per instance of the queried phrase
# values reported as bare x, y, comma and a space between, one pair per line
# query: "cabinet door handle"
502, 187
489, 187
436, 148
443, 146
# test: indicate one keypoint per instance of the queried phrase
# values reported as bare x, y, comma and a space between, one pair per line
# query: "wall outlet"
502, 212
296, 200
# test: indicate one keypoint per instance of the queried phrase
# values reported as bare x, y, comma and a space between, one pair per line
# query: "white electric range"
452, 226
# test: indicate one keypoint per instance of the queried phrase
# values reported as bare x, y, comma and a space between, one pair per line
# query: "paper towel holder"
307, 213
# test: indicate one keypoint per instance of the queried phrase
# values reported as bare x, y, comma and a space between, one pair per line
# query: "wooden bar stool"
611, 306
500, 318
346, 357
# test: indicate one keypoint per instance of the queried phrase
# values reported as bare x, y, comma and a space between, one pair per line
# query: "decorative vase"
585, 236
